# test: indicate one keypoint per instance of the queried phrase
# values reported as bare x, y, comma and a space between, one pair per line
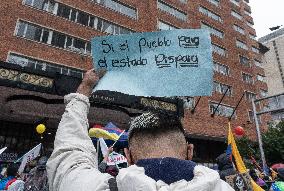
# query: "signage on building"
161, 64
8, 157
12, 75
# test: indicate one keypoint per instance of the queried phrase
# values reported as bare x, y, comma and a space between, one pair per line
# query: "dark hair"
155, 123
12, 169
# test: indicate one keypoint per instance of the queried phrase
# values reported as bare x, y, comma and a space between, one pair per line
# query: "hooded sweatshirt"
73, 166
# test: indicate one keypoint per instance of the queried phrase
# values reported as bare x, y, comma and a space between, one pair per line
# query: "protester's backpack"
36, 180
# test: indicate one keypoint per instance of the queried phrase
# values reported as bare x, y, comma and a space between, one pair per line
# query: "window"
119, 7
183, 1
35, 64
244, 61
247, 78
250, 96
260, 77
164, 26
213, 30
32, 32
210, 14
238, 29
236, 2
263, 93
241, 44
219, 50
254, 49
252, 36
63, 11
214, 2
221, 68
222, 88
236, 15
247, 12
257, 63
249, 23
223, 110
171, 10
250, 116
82, 18
57, 39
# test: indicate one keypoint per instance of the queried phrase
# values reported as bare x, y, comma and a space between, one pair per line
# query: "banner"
2, 150
116, 158
29, 156
160, 64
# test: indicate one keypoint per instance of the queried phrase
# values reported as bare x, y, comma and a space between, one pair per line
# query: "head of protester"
158, 153
11, 176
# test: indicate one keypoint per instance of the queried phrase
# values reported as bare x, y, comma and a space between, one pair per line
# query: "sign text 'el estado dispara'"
165, 63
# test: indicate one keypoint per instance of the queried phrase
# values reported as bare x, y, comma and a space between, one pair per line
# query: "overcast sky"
266, 13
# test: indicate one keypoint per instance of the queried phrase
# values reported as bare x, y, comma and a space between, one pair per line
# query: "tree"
247, 148
273, 143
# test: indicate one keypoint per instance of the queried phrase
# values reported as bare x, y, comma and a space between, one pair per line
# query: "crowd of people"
34, 177
158, 155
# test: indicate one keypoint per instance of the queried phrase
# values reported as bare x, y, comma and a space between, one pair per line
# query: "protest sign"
2, 150
103, 146
161, 64
29, 156
115, 159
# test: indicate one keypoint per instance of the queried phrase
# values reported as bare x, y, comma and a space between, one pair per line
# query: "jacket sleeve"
73, 165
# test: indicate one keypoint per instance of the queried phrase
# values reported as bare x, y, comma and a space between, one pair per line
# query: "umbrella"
278, 165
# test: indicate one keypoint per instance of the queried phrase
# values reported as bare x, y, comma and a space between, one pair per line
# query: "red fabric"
9, 183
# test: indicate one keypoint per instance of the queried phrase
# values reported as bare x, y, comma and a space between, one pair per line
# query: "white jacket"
73, 166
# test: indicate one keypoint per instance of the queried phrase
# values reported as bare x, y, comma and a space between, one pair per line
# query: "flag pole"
118, 138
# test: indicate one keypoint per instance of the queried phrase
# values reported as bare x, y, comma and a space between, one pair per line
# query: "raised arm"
73, 165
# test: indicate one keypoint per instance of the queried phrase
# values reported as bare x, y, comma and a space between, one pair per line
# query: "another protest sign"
165, 63
116, 158
29, 156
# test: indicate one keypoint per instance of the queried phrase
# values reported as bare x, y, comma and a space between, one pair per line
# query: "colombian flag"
238, 159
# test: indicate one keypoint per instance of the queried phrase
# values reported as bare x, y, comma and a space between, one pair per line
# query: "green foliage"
273, 143
247, 148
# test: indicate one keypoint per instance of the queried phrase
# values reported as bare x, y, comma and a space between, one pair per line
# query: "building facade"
54, 35
274, 61
274, 71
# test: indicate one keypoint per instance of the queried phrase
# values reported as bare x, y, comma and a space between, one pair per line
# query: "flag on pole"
101, 133
29, 156
238, 159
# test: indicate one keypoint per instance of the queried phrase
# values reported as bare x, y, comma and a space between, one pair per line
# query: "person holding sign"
105, 168
158, 152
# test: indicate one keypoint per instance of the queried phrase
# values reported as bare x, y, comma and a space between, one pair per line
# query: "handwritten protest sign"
164, 63
29, 156
115, 159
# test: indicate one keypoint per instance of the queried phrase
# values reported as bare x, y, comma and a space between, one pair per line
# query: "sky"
266, 14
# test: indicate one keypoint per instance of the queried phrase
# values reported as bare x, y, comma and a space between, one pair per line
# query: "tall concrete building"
273, 64
274, 61
54, 35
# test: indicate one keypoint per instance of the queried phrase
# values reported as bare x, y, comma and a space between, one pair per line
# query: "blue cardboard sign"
160, 64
